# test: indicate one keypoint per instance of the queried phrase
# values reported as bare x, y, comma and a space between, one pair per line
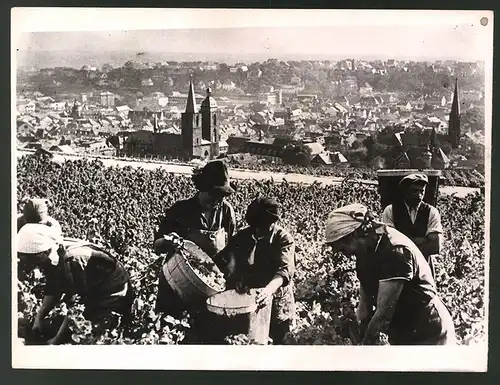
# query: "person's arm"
429, 245
230, 225
364, 312
267, 292
387, 217
396, 268
48, 303
169, 224
57, 339
432, 242
388, 295
285, 268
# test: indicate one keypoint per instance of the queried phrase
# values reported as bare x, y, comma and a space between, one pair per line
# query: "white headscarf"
34, 238
345, 220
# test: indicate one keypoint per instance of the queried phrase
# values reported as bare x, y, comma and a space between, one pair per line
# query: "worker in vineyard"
263, 256
36, 210
73, 268
398, 294
419, 221
206, 219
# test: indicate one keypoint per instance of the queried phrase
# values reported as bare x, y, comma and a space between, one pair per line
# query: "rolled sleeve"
286, 257
387, 216
398, 264
434, 224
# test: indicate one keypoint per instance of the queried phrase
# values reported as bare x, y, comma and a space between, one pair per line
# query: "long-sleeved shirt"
433, 225
259, 260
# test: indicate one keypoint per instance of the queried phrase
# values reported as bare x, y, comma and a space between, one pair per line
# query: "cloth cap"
34, 238
36, 210
413, 178
345, 220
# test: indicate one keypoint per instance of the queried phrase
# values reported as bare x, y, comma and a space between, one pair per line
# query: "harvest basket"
388, 185
183, 279
236, 313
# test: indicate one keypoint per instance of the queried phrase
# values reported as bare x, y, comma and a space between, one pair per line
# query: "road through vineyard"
128, 203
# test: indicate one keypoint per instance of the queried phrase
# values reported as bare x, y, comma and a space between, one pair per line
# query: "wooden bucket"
238, 314
184, 280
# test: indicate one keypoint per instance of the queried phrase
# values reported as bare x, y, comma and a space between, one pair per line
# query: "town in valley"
359, 113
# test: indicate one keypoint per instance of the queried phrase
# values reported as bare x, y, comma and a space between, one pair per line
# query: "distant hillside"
77, 59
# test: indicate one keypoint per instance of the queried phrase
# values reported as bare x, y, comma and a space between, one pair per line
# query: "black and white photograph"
287, 189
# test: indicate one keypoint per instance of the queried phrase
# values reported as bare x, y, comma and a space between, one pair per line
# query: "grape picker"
263, 256
205, 219
74, 268
398, 294
416, 219
36, 210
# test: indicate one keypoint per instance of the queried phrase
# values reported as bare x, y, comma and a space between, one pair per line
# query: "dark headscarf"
262, 212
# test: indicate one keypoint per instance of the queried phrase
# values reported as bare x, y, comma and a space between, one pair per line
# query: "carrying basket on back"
388, 185
183, 279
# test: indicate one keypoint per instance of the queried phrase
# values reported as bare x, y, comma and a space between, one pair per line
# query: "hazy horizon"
426, 43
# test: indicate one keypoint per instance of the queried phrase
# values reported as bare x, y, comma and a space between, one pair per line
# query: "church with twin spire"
199, 127
199, 138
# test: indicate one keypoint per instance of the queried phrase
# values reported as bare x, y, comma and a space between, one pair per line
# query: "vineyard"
128, 203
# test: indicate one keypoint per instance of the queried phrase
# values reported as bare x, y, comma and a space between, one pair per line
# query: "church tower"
209, 123
454, 123
191, 125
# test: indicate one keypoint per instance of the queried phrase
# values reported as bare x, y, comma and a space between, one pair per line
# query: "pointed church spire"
455, 105
454, 123
191, 101
433, 140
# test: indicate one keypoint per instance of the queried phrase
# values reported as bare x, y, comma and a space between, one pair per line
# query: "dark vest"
403, 223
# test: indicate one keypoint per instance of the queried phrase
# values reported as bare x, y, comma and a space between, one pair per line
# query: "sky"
433, 35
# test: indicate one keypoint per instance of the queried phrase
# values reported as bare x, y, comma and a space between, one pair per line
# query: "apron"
211, 242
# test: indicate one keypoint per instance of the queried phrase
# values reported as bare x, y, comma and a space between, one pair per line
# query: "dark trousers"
168, 301
278, 330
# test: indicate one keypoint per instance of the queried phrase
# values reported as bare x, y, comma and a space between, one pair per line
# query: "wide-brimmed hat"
213, 177
413, 178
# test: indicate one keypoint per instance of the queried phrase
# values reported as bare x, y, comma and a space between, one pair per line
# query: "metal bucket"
238, 314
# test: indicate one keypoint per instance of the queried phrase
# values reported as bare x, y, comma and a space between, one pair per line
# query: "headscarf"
345, 220
262, 211
34, 238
